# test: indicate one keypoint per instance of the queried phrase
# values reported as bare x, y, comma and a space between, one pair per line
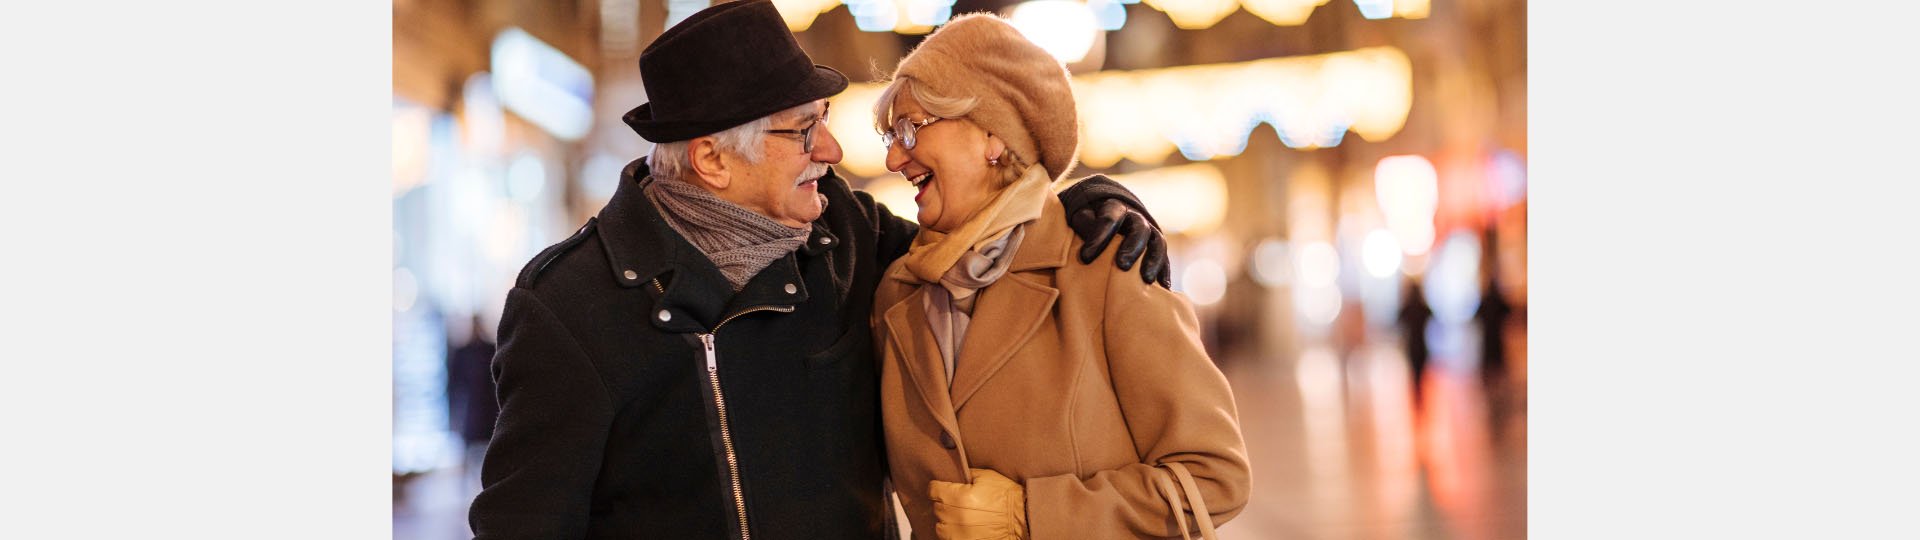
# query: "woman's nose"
896, 157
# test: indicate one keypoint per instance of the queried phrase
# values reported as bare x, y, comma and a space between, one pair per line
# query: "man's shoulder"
562, 263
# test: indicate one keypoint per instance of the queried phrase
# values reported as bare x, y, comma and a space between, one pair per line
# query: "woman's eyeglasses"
903, 131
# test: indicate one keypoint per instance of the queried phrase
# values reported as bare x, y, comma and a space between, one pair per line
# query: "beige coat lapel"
908, 329
1012, 309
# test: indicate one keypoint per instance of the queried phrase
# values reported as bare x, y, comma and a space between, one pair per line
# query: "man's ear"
703, 153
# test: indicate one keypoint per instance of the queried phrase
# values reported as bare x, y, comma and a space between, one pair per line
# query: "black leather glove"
1097, 228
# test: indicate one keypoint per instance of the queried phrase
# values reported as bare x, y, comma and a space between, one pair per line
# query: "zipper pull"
713, 363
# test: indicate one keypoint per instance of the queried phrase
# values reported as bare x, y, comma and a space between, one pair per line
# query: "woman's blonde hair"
1011, 166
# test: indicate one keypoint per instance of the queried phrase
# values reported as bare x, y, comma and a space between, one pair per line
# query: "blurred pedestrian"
1413, 319
1492, 315
471, 408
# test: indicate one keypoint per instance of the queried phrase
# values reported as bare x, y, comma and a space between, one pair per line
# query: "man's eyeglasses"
806, 135
903, 131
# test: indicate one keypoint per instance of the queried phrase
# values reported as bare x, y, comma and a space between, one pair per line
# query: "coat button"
665, 316
631, 275
946, 441
792, 289
824, 240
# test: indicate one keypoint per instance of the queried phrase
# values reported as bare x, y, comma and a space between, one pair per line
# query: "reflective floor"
1340, 445
1342, 450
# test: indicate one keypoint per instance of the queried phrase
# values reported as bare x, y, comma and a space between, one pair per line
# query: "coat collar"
641, 248
1003, 320
1048, 244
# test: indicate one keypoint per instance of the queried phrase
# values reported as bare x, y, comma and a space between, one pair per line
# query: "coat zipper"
720, 404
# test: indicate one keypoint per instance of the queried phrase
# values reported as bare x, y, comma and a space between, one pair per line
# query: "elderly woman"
1024, 397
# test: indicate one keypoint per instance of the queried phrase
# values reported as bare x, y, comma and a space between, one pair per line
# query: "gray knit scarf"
739, 241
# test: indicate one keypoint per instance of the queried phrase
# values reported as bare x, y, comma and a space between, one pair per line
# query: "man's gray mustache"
813, 172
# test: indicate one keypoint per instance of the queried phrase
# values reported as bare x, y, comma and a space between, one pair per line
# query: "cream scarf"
954, 267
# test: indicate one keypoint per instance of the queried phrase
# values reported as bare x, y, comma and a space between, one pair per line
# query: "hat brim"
824, 82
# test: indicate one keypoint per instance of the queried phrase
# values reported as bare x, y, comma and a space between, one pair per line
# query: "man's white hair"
670, 160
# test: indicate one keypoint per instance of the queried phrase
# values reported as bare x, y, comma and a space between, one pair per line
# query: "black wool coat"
641, 397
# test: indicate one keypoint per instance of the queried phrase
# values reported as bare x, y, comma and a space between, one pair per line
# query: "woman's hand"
993, 507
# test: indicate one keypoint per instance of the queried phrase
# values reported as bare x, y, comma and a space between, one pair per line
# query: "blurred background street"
1343, 184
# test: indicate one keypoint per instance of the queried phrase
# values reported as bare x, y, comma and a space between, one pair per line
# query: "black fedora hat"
726, 65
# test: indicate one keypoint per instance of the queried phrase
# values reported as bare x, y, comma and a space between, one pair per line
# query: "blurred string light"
1192, 198
1110, 15
1063, 28
1408, 190
899, 16
1412, 9
1200, 14
1204, 112
542, 85
799, 14
920, 16
1374, 9
873, 15
1283, 12
1194, 14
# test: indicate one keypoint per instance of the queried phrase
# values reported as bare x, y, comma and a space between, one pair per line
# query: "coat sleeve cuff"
1046, 521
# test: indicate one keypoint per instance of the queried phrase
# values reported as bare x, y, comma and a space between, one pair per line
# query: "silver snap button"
792, 289
665, 316
825, 240
631, 275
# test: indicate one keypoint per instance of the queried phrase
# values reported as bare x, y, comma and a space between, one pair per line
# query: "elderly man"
695, 362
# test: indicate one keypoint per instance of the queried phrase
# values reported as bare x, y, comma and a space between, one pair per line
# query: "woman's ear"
995, 149
703, 153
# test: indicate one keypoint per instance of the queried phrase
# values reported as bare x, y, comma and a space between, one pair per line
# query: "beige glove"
993, 507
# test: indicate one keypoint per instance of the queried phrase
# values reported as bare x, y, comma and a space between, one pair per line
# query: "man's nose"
826, 149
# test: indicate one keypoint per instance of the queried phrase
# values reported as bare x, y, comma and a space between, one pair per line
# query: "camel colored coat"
1075, 380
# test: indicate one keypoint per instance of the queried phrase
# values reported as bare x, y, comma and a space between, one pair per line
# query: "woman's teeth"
920, 181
